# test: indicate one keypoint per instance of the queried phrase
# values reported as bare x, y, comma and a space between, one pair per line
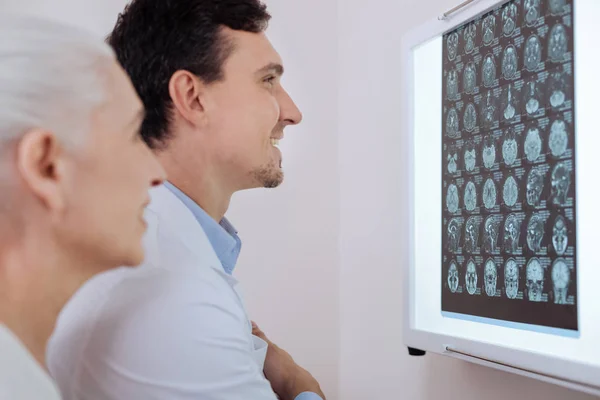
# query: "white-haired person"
74, 181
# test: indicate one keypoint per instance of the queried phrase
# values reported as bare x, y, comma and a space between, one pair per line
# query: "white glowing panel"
550, 346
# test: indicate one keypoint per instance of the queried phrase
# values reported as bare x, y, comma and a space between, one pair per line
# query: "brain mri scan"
471, 277
509, 19
509, 62
452, 159
490, 275
556, 6
489, 27
533, 53
535, 186
510, 214
533, 144
509, 147
561, 276
453, 235
558, 140
452, 84
509, 102
470, 197
511, 278
510, 192
452, 123
452, 46
535, 280
452, 198
471, 234
560, 240
490, 234
489, 194
489, 152
557, 44
469, 36
469, 78
532, 98
453, 277
470, 157
532, 12
512, 233
561, 179
535, 233
557, 89
489, 70
470, 118
488, 110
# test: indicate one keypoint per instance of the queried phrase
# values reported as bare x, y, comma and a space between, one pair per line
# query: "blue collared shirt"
227, 244
222, 236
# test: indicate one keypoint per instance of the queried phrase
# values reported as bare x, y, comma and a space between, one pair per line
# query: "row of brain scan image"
538, 233
542, 186
508, 149
530, 284
510, 64
511, 103
488, 31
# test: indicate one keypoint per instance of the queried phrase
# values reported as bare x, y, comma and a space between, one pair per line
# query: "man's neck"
207, 190
32, 296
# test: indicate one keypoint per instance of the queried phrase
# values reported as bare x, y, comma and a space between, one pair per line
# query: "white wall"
96, 15
372, 153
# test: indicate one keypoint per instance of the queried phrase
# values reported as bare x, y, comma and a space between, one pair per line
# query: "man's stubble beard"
268, 176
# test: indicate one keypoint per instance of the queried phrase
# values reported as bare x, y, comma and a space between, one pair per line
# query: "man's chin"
268, 178
273, 183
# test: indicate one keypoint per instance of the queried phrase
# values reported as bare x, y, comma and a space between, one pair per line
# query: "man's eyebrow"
271, 67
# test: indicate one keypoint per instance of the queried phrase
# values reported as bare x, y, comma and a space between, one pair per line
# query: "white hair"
52, 76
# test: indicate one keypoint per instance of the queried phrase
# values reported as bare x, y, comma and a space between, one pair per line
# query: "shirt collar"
222, 236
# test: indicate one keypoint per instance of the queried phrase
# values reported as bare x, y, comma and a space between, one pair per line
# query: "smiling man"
176, 327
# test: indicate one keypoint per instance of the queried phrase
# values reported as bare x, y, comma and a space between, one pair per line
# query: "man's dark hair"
155, 38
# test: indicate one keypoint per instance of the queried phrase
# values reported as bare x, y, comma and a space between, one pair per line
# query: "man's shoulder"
137, 316
21, 377
174, 239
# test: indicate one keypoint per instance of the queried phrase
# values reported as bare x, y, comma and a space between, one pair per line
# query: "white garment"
174, 328
21, 377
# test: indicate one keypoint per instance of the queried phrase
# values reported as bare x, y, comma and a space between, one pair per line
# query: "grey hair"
52, 76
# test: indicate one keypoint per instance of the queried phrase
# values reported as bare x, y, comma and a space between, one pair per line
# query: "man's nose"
289, 112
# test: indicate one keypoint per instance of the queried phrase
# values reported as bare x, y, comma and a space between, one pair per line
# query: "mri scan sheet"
508, 170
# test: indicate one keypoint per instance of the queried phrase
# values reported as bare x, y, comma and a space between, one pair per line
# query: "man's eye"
270, 79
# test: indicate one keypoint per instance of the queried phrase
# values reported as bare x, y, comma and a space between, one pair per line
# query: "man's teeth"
275, 142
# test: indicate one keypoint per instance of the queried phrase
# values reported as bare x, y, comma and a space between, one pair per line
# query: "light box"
502, 114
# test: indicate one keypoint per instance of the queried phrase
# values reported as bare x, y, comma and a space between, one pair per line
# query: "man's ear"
187, 92
38, 158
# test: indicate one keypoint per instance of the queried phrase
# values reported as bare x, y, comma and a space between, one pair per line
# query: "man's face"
107, 181
247, 112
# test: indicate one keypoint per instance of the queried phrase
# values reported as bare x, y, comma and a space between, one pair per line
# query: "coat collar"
171, 213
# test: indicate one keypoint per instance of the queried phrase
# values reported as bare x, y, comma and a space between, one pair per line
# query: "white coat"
173, 328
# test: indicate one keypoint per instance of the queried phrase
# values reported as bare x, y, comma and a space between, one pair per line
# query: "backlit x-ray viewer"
501, 113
